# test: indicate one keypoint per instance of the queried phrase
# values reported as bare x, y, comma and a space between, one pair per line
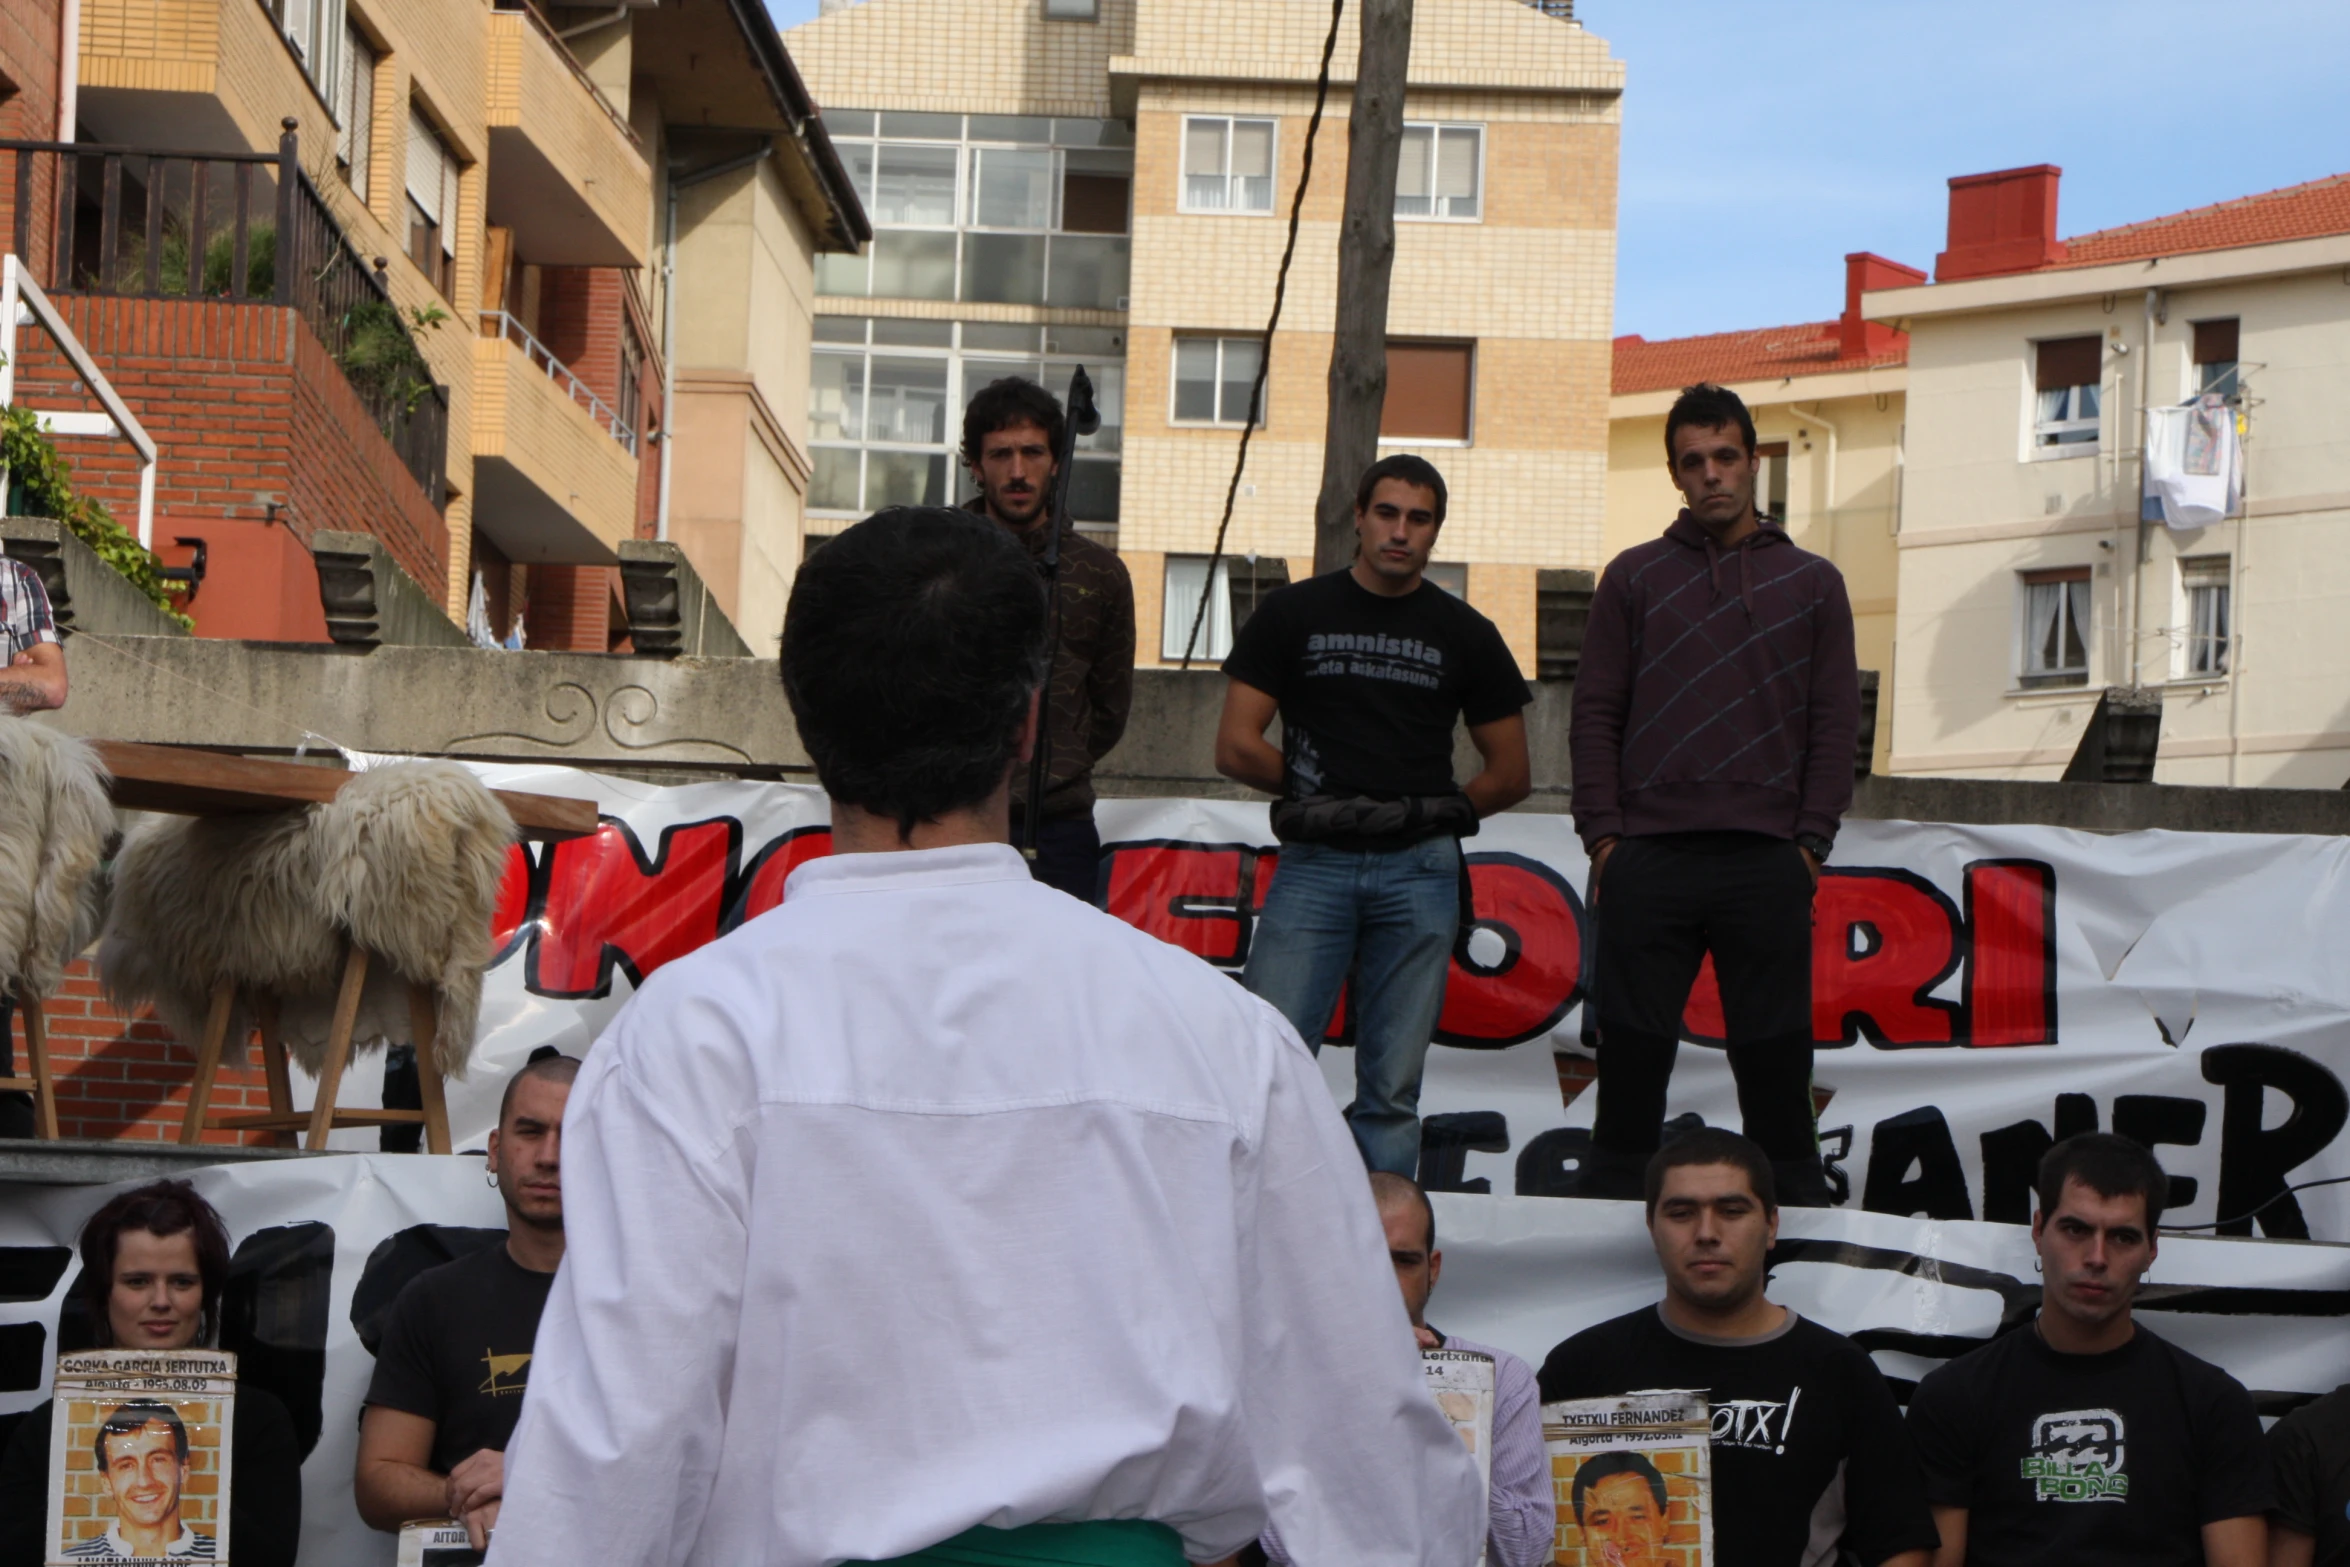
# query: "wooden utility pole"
1366, 258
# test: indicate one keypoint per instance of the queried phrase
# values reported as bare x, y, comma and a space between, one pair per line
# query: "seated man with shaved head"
455, 1357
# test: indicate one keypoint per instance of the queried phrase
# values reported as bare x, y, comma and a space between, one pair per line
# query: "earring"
490, 1179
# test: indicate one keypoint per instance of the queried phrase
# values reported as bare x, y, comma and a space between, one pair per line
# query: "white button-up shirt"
935, 1198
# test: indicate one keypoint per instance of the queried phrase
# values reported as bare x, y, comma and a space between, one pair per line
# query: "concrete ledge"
74, 1162
2103, 807
85, 593
589, 709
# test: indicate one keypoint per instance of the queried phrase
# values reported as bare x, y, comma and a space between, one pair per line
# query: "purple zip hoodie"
1718, 690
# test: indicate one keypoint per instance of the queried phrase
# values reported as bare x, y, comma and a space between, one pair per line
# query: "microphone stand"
1083, 419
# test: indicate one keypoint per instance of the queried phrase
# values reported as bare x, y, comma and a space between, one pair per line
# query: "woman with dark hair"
154, 1264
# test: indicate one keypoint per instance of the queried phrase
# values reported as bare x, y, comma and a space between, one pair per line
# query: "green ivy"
44, 482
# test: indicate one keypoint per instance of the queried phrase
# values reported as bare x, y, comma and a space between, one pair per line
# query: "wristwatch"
1817, 845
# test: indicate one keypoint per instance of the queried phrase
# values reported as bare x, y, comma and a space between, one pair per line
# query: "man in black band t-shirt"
1369, 669
455, 1358
2082, 1440
1810, 1461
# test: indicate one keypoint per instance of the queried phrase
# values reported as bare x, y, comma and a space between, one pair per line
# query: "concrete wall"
726, 716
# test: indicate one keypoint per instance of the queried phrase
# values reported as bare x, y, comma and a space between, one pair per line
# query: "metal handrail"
537, 353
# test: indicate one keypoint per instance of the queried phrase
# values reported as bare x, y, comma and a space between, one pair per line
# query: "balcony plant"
40, 484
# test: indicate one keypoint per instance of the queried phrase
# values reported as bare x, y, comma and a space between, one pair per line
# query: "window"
2066, 374
987, 208
632, 376
2055, 628
2204, 585
1428, 386
355, 112
314, 30
432, 200
1213, 379
1071, 10
1227, 165
1770, 481
886, 398
2215, 356
1187, 578
1450, 575
1441, 174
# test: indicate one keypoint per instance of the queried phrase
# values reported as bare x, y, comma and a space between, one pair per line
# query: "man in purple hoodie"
1715, 716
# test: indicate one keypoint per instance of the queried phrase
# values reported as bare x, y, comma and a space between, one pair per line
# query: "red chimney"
2002, 222
1863, 272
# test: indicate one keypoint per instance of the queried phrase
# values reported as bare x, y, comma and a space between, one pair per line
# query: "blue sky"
1763, 142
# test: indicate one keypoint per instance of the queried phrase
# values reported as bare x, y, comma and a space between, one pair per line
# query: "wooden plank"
208, 1053
189, 782
265, 1120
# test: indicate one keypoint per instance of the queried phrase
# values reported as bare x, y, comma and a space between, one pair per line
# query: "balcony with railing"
157, 224
554, 464
567, 174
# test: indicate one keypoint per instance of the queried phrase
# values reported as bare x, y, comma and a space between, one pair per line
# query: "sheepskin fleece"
55, 820
405, 861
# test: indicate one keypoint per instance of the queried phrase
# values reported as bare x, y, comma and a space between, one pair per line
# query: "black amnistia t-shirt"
2311, 1450
1370, 687
1808, 1446
2087, 1460
456, 1350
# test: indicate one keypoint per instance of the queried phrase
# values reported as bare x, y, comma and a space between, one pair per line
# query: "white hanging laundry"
2194, 462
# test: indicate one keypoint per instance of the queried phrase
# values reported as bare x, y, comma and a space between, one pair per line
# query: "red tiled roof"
2296, 212
1767, 353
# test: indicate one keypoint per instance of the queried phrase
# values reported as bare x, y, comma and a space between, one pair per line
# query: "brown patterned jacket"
1092, 687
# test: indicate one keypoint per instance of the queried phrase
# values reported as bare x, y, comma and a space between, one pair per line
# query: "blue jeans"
1388, 922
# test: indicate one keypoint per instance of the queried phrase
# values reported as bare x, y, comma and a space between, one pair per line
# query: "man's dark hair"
911, 646
1410, 469
2108, 1165
163, 1208
1005, 403
553, 1066
1607, 1466
1706, 406
136, 1416
1713, 1145
1387, 1187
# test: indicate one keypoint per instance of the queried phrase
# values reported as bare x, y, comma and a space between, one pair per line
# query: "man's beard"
1021, 509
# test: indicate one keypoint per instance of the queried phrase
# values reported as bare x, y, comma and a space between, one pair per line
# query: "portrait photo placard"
1634, 1479
139, 1457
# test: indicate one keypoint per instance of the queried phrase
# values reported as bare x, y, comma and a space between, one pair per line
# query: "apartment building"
1107, 182
394, 266
2032, 577
1828, 405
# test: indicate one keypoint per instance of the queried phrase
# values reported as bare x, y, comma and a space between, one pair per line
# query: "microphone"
1084, 417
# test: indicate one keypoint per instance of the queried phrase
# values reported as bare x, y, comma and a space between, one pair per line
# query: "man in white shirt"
935, 1213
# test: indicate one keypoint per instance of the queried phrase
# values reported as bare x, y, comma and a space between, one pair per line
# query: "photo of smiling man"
142, 1452
1622, 1511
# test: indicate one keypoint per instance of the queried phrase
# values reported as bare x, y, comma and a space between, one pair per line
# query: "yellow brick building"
1106, 182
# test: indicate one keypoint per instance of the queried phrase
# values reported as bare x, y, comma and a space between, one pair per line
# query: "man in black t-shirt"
2310, 1524
455, 1358
1369, 669
2082, 1440
1810, 1461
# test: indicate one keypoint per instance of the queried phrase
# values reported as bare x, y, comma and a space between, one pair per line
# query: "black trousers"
1068, 854
1663, 903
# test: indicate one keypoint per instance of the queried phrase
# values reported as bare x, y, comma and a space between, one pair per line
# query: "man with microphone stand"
1019, 448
